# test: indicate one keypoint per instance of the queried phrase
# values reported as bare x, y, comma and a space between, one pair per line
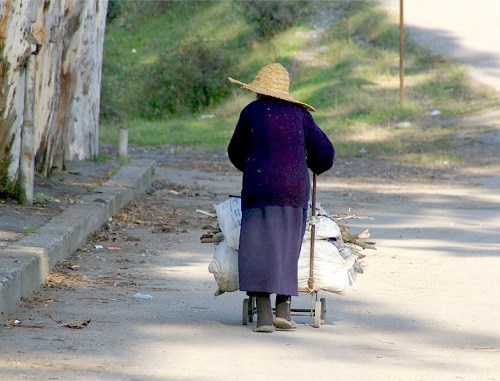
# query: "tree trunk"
68, 37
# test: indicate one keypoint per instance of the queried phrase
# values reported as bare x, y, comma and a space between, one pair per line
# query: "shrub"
153, 7
271, 17
114, 10
110, 85
187, 81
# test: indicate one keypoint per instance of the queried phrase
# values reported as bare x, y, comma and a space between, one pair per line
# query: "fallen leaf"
78, 324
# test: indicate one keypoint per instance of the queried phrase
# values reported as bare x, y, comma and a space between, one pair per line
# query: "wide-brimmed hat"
272, 80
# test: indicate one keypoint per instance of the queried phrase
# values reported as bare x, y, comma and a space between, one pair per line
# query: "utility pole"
401, 53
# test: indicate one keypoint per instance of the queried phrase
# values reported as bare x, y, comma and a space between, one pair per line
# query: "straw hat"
272, 80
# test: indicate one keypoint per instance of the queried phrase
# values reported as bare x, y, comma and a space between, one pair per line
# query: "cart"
317, 310
318, 305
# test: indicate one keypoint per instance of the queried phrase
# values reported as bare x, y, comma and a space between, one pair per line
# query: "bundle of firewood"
357, 242
212, 234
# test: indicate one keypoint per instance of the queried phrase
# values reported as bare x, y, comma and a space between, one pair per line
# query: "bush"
271, 17
153, 7
187, 81
111, 84
114, 10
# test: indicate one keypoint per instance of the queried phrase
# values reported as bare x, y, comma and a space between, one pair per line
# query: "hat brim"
269, 92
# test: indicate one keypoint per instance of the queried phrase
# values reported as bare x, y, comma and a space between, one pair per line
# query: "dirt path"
462, 30
427, 306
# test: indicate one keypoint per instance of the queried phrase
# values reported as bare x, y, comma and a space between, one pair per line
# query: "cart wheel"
245, 315
323, 310
317, 314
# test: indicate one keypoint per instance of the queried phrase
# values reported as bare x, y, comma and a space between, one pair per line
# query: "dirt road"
427, 306
459, 29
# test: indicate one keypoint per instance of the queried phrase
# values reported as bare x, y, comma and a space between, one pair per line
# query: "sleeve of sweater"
320, 150
239, 143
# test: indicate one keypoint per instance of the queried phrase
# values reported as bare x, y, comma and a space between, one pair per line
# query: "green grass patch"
27, 230
203, 132
350, 75
40, 198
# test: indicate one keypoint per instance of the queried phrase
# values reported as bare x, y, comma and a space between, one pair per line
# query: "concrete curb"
25, 264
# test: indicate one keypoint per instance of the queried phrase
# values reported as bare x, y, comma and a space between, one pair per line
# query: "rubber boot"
283, 306
264, 313
283, 319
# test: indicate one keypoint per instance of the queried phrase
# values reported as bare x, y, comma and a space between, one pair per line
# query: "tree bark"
68, 36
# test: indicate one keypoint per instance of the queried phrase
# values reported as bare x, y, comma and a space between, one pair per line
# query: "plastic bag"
224, 266
229, 215
233, 238
229, 219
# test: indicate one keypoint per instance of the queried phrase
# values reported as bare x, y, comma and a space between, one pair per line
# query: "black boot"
283, 319
264, 313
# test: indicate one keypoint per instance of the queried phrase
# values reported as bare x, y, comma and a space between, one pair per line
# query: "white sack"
229, 215
331, 271
224, 266
326, 226
233, 238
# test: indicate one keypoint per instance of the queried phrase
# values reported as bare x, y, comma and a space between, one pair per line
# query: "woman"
274, 143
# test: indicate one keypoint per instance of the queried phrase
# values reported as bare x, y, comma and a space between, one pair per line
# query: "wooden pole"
310, 281
401, 52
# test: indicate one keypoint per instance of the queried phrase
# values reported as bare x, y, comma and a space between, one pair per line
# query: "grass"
353, 80
40, 198
27, 230
188, 132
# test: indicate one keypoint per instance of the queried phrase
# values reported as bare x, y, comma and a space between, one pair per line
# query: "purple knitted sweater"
273, 144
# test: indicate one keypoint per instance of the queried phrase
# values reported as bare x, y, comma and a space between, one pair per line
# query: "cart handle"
310, 281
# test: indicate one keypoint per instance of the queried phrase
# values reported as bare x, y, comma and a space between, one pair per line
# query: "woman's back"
269, 146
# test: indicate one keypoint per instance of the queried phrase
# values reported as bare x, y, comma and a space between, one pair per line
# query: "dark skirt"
270, 242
